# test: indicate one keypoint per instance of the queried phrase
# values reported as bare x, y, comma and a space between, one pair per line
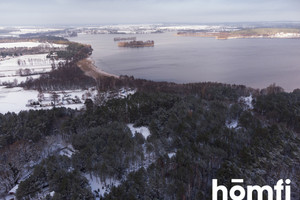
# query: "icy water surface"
252, 62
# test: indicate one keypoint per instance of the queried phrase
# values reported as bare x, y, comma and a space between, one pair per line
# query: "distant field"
248, 33
265, 31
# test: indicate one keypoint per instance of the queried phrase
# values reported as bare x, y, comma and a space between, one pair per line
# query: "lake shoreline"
90, 69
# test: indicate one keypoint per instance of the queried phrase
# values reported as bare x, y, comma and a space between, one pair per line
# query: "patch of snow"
52, 193
14, 189
12, 192
143, 130
285, 35
247, 101
99, 188
10, 197
67, 151
232, 124
56, 145
171, 155
120, 94
123, 93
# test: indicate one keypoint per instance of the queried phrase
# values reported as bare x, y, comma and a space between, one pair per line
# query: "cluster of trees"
44, 38
75, 52
66, 75
30, 125
54, 174
111, 150
5, 53
19, 51
207, 90
22, 141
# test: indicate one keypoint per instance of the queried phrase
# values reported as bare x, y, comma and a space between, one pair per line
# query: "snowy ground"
99, 188
143, 130
67, 98
30, 45
26, 30
17, 99
14, 69
247, 102
232, 124
171, 155
120, 94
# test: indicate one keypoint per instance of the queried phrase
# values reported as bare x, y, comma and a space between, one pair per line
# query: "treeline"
19, 51
51, 39
207, 90
65, 77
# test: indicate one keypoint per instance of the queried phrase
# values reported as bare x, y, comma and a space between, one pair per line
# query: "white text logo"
237, 192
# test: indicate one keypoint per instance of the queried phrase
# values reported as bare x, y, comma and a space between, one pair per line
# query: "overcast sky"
63, 12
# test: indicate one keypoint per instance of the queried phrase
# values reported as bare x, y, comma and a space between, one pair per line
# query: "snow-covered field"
30, 45
11, 68
67, 98
36, 63
17, 99
25, 30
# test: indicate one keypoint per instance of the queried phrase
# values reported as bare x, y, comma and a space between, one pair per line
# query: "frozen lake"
253, 62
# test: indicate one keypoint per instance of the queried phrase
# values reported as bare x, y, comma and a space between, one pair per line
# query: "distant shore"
90, 69
255, 33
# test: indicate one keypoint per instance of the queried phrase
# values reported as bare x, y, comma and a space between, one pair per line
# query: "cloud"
145, 11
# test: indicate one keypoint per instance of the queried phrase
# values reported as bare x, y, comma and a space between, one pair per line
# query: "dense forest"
262, 148
198, 132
